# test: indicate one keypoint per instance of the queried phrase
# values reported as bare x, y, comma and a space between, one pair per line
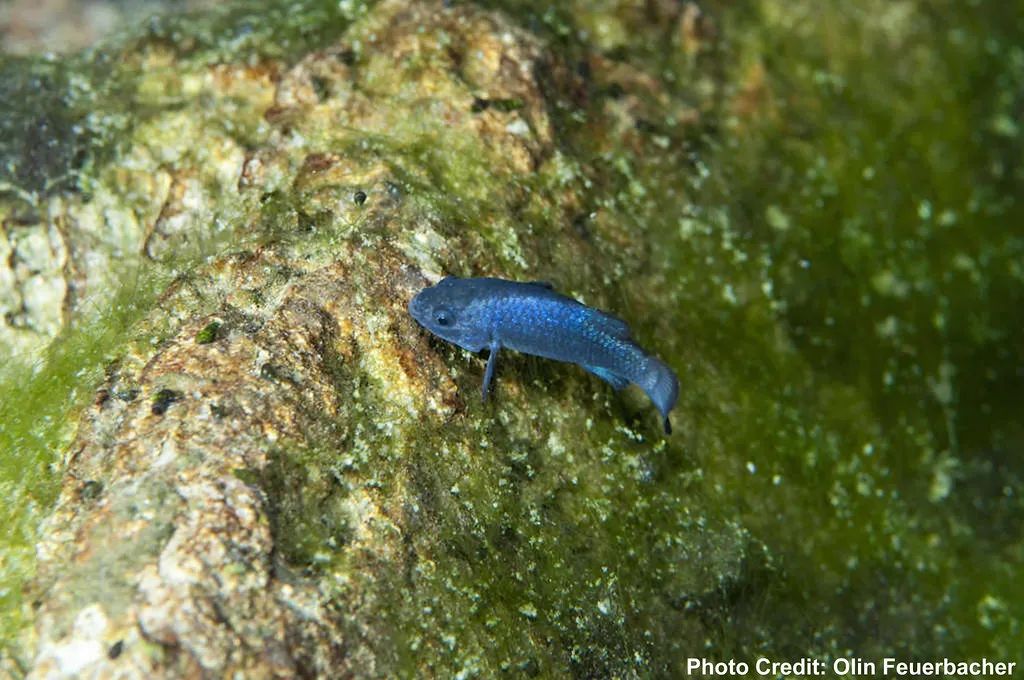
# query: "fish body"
487, 313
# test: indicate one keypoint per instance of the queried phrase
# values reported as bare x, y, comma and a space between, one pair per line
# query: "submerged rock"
303, 489
252, 462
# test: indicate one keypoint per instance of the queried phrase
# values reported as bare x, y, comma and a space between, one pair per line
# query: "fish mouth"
416, 309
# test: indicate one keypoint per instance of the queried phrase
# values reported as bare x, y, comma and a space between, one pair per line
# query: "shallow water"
819, 213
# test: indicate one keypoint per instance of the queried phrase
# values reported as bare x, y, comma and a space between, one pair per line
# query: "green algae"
63, 121
239, 30
844, 324
886, 247
63, 115
44, 144
523, 566
208, 333
61, 118
36, 420
850, 480
866, 209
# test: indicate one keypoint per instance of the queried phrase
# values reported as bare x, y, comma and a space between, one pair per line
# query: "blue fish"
486, 313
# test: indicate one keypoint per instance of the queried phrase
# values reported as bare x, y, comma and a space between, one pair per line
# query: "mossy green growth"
64, 115
872, 188
37, 416
43, 138
842, 291
520, 555
844, 260
208, 333
280, 29
63, 121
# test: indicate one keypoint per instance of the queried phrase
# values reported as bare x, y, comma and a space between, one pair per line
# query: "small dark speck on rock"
256, 296
580, 225
359, 197
269, 371
208, 333
127, 395
615, 91
644, 125
91, 490
163, 400
530, 668
507, 105
322, 87
115, 649
347, 57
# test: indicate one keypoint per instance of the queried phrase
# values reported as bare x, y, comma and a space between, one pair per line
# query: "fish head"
449, 311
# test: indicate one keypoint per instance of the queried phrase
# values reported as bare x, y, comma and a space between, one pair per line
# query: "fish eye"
443, 317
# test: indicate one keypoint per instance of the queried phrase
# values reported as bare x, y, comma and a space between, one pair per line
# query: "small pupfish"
532, 318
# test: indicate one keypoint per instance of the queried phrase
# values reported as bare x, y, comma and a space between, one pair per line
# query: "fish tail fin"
662, 386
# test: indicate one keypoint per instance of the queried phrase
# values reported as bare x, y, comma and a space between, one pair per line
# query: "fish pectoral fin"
492, 360
616, 381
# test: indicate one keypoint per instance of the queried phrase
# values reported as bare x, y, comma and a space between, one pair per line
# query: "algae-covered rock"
281, 475
265, 468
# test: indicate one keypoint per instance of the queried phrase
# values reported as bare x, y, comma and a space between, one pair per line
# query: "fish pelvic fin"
616, 381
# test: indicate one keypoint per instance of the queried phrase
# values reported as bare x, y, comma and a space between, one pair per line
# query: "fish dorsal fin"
612, 325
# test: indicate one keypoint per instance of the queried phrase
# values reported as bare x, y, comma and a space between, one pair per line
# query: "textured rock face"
278, 478
167, 517
59, 248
